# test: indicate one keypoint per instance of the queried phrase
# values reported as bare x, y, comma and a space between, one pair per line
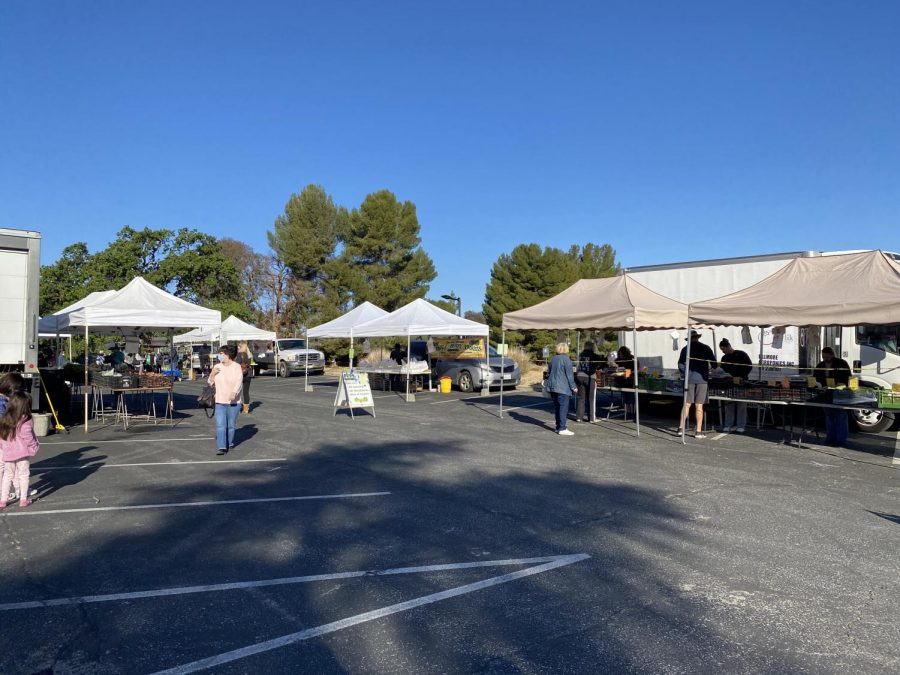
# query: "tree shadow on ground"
597, 615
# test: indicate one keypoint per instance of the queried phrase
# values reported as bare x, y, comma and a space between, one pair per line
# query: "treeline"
324, 260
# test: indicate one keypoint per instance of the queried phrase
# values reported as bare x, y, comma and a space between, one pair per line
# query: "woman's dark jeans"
561, 409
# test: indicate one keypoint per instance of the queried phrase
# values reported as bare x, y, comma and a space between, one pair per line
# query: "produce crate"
888, 399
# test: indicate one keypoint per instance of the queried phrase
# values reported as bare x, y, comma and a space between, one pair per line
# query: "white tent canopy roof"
50, 324
419, 317
617, 302
232, 328
343, 326
137, 307
847, 290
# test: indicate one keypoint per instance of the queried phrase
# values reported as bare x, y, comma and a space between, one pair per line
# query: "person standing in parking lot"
245, 361
227, 378
561, 382
736, 363
586, 381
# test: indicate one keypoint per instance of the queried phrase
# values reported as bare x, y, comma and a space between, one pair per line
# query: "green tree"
188, 263
66, 280
304, 238
530, 274
382, 261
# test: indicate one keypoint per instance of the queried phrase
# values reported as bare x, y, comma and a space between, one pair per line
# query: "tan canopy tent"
613, 303
846, 289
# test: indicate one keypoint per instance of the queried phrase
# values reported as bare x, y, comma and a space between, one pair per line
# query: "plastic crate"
888, 399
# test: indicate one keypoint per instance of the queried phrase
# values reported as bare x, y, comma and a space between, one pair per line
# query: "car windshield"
492, 352
292, 344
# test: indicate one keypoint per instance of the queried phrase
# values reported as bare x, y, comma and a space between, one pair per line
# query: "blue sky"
670, 130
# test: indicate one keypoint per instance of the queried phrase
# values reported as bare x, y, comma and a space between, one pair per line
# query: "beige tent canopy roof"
614, 303
846, 289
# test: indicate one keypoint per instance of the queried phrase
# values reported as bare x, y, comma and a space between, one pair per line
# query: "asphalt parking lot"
438, 538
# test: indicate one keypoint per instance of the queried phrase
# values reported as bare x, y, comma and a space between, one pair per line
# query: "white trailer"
20, 274
871, 350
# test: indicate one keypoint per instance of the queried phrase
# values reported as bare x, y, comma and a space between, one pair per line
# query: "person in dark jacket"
838, 370
736, 363
625, 360
586, 381
561, 382
696, 381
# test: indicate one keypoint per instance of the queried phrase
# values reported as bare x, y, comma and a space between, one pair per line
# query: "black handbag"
207, 399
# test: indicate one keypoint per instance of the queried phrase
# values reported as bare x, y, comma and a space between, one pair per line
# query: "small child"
17, 444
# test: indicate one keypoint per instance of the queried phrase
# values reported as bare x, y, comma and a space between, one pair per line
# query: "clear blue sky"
671, 130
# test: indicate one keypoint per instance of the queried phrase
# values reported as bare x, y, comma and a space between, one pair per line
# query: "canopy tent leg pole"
687, 375
306, 385
408, 363
637, 398
277, 364
502, 363
86, 378
762, 332
352, 353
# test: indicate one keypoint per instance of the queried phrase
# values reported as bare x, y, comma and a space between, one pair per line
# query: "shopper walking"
561, 382
227, 378
17, 444
245, 360
586, 381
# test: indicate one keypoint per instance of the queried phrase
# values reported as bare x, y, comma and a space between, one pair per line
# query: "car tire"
465, 383
871, 421
283, 369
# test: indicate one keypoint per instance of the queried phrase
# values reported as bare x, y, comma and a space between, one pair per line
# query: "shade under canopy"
612, 303
344, 325
846, 289
419, 317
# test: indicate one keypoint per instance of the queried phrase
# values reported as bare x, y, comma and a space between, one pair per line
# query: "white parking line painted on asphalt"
292, 638
897, 450
239, 585
88, 441
224, 502
174, 463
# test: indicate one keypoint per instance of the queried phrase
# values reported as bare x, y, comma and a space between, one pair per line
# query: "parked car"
292, 357
469, 375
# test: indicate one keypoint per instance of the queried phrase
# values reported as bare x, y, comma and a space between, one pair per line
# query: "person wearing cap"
736, 363
696, 378
838, 370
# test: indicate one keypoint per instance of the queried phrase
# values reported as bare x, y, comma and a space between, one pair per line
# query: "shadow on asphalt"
79, 468
593, 616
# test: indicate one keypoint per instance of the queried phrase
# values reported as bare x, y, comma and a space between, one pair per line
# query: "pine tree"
381, 261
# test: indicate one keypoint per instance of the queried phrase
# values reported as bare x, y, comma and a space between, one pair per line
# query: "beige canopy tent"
846, 289
613, 303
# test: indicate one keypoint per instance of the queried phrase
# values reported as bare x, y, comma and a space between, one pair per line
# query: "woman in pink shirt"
227, 378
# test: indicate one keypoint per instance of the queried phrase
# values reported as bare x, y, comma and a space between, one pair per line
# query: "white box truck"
871, 350
20, 275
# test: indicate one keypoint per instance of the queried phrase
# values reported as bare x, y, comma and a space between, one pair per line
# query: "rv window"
886, 338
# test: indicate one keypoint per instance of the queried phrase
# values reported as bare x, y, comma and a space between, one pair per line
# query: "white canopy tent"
231, 328
136, 308
419, 317
612, 303
344, 325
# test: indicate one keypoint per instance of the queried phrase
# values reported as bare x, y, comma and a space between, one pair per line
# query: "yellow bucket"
446, 383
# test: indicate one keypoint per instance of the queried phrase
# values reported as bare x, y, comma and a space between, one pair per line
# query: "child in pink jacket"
17, 444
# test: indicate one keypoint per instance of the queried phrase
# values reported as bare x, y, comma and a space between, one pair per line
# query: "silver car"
470, 374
